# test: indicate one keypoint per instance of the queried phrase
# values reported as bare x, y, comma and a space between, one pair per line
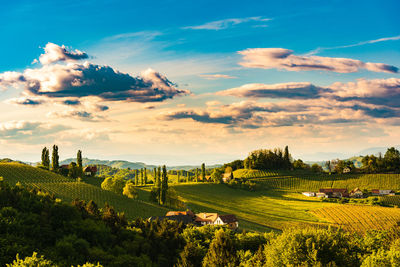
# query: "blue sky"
212, 109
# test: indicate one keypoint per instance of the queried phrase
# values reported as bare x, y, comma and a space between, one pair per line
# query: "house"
227, 177
382, 192
346, 169
217, 219
230, 220
309, 194
356, 193
206, 218
335, 192
90, 170
321, 195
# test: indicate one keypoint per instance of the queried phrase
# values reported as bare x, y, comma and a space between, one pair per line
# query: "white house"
309, 194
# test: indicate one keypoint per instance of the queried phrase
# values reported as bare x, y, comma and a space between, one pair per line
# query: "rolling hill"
69, 189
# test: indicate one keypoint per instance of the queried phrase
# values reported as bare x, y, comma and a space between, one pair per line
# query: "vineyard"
360, 218
391, 200
68, 189
303, 181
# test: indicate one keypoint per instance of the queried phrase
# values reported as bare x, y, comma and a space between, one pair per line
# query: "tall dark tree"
179, 175
155, 176
286, 157
45, 158
203, 172
79, 163
159, 185
145, 176
197, 175
141, 176
164, 185
136, 177
54, 159
187, 177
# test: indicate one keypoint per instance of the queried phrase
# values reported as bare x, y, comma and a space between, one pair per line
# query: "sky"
186, 82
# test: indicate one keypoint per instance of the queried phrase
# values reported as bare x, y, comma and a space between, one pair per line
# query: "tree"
221, 252
164, 185
328, 165
179, 176
145, 176
136, 177
392, 159
203, 172
79, 163
159, 185
316, 168
300, 165
54, 159
115, 184
45, 158
31, 261
216, 175
286, 157
73, 171
187, 177
130, 190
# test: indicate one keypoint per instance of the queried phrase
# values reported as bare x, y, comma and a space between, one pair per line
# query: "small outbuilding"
356, 193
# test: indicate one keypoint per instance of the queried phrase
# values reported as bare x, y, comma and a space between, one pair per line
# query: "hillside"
69, 189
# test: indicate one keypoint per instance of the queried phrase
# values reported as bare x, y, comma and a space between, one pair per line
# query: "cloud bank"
280, 58
63, 79
362, 101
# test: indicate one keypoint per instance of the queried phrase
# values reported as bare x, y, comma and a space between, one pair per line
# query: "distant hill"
123, 164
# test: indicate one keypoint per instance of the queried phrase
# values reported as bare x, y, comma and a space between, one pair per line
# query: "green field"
261, 210
69, 189
277, 205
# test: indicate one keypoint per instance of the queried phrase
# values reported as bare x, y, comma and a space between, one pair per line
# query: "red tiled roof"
229, 218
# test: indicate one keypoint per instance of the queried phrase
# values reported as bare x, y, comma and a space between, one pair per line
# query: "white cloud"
226, 23
216, 76
280, 58
54, 53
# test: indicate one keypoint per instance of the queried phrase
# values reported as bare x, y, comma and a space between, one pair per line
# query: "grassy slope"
276, 207
261, 210
68, 189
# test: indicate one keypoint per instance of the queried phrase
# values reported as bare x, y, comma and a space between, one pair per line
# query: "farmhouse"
382, 192
309, 194
334, 192
217, 219
90, 170
356, 193
321, 195
185, 219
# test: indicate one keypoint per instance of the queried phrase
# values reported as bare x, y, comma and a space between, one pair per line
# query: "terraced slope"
69, 189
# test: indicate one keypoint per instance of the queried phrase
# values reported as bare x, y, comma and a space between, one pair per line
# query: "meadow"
277, 205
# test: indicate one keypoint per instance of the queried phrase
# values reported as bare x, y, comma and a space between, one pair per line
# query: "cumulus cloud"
68, 83
77, 114
226, 23
302, 103
280, 58
301, 90
26, 130
216, 76
54, 53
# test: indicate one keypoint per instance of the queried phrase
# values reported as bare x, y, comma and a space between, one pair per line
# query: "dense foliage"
264, 159
389, 163
65, 235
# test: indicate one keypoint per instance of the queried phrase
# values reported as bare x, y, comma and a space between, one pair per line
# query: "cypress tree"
197, 175
136, 177
164, 185
79, 163
159, 185
179, 175
286, 157
187, 176
54, 159
145, 176
203, 172
141, 176
45, 158
155, 176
